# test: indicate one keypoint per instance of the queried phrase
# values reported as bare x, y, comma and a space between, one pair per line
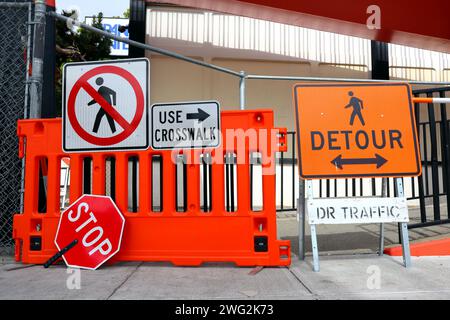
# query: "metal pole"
404, 236
242, 90
384, 183
36, 79
143, 46
292, 78
25, 108
314, 245
301, 219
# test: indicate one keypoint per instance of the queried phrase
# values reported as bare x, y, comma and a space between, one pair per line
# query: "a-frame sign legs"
315, 248
404, 235
403, 226
384, 183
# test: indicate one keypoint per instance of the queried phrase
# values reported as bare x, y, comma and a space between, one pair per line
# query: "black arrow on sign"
340, 162
200, 115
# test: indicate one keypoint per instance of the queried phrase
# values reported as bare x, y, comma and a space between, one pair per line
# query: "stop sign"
97, 224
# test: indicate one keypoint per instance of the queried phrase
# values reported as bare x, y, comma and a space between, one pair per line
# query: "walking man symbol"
357, 105
110, 96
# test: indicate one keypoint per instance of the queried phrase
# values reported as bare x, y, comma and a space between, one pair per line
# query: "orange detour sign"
356, 130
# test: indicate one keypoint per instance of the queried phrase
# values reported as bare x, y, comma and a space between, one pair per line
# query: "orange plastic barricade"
190, 237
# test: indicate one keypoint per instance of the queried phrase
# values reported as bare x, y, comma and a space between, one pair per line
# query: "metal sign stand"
315, 249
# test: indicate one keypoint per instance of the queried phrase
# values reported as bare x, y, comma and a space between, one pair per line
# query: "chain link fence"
15, 47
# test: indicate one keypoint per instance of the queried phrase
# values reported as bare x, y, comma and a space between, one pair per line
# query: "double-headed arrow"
340, 162
200, 115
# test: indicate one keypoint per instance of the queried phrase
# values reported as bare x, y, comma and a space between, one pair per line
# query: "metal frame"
241, 75
403, 230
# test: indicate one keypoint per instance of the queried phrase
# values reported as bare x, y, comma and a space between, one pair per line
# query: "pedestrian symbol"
357, 105
110, 97
105, 105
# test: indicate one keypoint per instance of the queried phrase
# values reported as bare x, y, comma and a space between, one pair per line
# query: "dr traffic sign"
186, 125
356, 130
92, 228
105, 105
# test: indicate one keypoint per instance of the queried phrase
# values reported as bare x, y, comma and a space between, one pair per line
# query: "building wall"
173, 80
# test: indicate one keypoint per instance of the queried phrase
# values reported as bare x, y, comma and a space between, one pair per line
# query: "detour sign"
356, 130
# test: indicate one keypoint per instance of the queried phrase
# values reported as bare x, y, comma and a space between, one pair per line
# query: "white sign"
105, 105
112, 25
357, 210
186, 125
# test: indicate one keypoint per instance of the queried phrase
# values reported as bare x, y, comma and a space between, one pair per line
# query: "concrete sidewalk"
341, 277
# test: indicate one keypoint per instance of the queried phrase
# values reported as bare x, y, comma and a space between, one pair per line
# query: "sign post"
105, 105
357, 130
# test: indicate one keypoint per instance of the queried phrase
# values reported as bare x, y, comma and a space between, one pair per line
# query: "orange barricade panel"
227, 230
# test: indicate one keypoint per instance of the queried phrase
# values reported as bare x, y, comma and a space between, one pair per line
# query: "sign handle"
58, 255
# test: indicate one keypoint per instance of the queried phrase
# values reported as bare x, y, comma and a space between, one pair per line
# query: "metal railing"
242, 75
284, 160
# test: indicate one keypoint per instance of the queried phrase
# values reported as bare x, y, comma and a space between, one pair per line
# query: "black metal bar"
354, 187
434, 160
445, 142
136, 28
59, 254
388, 187
423, 213
374, 187
425, 157
443, 154
422, 91
428, 224
380, 60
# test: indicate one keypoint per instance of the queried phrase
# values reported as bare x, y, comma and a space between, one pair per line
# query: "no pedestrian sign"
105, 105
356, 130
186, 125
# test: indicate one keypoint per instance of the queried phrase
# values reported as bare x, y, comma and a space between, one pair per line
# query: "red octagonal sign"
97, 224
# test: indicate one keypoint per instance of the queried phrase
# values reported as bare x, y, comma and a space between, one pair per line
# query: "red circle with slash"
128, 127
